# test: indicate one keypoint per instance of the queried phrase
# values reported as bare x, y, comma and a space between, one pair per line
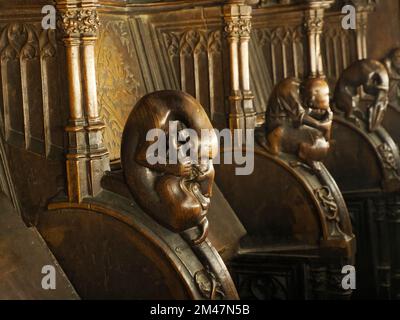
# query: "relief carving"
192, 41
196, 60
27, 52
19, 40
118, 86
328, 202
48, 44
79, 21
388, 157
283, 44
314, 24
209, 285
238, 28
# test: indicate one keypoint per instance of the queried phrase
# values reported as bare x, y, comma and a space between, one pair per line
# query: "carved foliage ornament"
328, 202
238, 28
79, 21
314, 24
117, 81
388, 157
209, 285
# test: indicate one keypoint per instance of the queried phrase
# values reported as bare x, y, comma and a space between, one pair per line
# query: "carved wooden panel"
338, 47
196, 57
277, 50
33, 105
137, 54
192, 45
283, 50
118, 79
31, 112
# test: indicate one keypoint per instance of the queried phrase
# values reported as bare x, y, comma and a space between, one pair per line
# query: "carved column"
237, 17
363, 8
86, 158
314, 22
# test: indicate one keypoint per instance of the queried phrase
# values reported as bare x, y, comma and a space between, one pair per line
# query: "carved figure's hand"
325, 128
181, 169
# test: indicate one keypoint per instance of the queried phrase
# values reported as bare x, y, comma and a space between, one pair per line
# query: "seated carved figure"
175, 195
392, 63
372, 76
299, 126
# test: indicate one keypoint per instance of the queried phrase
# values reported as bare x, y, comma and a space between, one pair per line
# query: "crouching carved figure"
177, 195
299, 119
373, 77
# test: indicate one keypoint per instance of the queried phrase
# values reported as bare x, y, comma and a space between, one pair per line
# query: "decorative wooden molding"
87, 157
314, 20
237, 19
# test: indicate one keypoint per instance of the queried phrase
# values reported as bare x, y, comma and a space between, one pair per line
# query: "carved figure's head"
316, 93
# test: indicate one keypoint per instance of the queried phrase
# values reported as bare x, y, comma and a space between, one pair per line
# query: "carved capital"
237, 21
238, 27
362, 21
314, 24
79, 21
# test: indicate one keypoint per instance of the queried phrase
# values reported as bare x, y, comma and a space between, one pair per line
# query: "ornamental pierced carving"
373, 77
298, 123
79, 21
175, 193
389, 160
208, 285
48, 44
238, 28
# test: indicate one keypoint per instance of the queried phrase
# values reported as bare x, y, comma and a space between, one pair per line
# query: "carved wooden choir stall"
305, 154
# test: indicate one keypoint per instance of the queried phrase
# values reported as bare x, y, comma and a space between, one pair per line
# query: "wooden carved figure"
373, 77
175, 195
299, 127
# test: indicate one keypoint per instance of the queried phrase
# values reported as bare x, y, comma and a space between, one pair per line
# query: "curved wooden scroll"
110, 249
